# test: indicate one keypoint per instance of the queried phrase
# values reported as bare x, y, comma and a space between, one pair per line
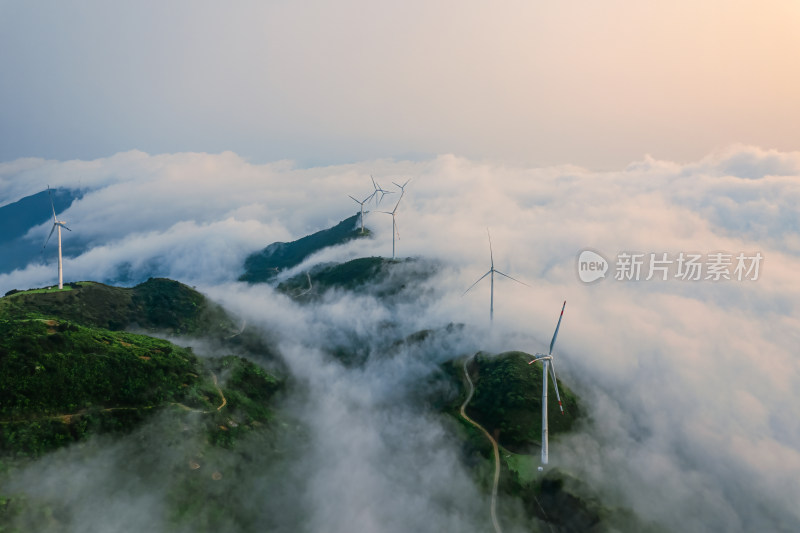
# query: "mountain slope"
67, 371
177, 421
61, 381
508, 400
264, 265
156, 305
510, 409
378, 276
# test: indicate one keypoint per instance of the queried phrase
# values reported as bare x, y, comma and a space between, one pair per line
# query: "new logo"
591, 266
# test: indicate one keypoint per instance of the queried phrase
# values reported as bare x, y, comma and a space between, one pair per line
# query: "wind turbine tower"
547, 363
57, 224
361, 203
491, 273
394, 221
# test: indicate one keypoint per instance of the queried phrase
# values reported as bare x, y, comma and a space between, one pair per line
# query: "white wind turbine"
394, 222
361, 203
378, 189
56, 224
547, 362
491, 273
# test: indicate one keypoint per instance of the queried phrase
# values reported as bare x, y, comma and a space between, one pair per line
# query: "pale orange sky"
593, 83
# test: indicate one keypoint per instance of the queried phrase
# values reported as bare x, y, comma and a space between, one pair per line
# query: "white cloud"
691, 385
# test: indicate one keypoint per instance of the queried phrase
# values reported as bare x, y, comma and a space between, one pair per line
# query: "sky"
530, 82
201, 132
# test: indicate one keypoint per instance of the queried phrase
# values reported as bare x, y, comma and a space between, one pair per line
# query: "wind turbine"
394, 222
491, 272
378, 189
56, 224
547, 362
361, 203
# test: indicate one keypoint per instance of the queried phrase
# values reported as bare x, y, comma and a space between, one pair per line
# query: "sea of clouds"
691, 386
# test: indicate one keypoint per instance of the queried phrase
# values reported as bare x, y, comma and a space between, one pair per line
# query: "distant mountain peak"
264, 265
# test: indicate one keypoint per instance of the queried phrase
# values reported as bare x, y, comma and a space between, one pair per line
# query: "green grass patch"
44, 290
156, 305
524, 466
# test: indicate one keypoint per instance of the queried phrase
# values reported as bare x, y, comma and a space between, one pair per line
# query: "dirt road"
494, 446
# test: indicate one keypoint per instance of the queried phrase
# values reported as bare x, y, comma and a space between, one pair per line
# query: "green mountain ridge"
508, 400
379, 276
69, 382
61, 382
68, 370
263, 266
507, 403
158, 304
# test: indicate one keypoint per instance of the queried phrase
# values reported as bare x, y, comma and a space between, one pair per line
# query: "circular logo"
591, 266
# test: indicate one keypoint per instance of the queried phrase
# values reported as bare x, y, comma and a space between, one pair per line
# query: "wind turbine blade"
53, 207
356, 201
491, 255
509, 277
552, 342
48, 237
396, 229
65, 227
479, 279
555, 384
375, 192
403, 186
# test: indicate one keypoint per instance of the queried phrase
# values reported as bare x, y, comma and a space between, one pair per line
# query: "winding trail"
494, 446
244, 325
221, 396
309, 286
224, 400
